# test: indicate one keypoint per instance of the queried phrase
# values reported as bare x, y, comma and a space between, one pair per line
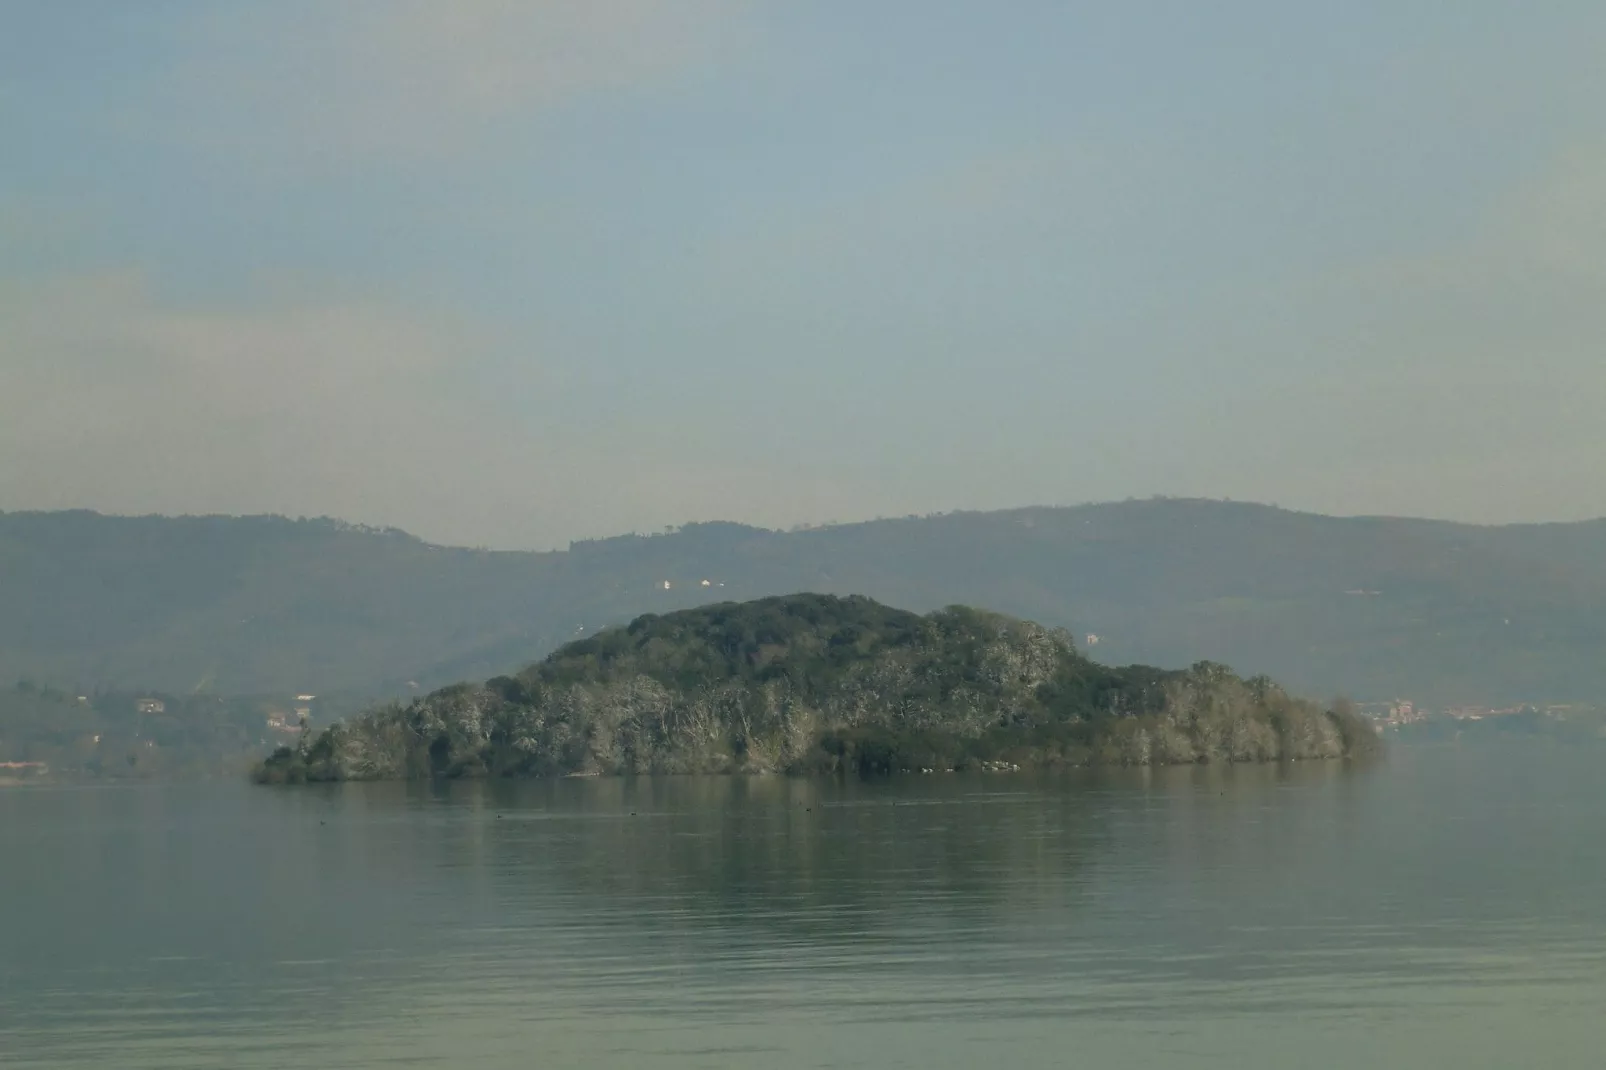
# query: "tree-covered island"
816, 684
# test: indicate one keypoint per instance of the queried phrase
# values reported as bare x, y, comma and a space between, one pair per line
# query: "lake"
1443, 907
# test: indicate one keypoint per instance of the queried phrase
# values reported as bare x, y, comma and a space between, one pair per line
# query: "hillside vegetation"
814, 683
1379, 608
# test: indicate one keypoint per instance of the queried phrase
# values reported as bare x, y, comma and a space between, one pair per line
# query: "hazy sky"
509, 273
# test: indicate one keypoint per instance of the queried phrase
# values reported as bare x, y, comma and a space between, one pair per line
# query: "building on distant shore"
1395, 712
280, 721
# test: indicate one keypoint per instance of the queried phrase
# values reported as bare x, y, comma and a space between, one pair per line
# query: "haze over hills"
1373, 607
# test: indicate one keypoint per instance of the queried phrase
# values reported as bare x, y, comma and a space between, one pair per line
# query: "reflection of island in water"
812, 858
597, 921
821, 859
817, 684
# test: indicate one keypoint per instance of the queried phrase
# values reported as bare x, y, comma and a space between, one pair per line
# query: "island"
811, 683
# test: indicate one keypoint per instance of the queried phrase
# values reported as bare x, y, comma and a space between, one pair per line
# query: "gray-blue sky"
514, 272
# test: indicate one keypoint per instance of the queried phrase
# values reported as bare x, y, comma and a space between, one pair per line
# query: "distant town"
1413, 718
54, 733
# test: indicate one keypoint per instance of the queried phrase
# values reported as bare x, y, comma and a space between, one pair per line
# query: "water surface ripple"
1444, 907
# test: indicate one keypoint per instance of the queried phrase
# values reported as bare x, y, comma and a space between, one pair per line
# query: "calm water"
1445, 908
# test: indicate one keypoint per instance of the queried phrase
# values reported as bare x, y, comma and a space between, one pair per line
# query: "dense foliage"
816, 683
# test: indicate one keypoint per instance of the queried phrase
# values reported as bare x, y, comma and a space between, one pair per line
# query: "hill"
815, 683
1382, 607
109, 735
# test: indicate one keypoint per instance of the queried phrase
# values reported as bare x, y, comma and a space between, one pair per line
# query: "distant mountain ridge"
1378, 607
